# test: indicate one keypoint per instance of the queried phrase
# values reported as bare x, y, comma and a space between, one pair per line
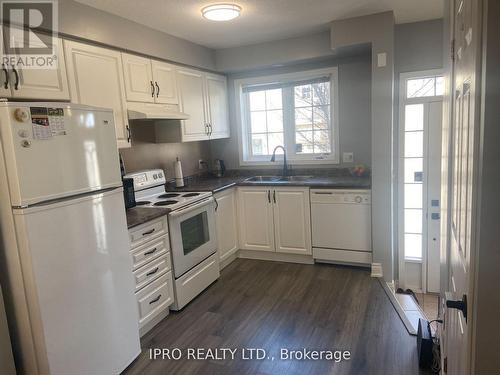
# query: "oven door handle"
185, 210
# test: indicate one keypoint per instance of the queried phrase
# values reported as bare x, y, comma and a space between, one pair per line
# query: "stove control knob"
155, 176
21, 115
358, 199
160, 175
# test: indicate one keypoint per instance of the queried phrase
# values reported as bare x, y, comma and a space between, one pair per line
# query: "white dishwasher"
341, 226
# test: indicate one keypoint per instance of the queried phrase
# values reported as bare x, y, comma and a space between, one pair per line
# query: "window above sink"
296, 110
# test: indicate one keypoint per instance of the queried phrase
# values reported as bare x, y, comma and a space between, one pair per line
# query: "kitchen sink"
263, 179
295, 178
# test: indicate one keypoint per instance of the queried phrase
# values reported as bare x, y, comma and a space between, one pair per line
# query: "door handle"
274, 196
157, 89
150, 252
152, 89
155, 300
148, 232
16, 84
128, 134
216, 204
6, 82
153, 271
457, 304
269, 196
210, 128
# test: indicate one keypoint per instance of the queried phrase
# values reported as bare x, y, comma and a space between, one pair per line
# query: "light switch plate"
348, 157
381, 59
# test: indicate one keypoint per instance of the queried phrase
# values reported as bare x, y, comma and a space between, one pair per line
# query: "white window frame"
243, 122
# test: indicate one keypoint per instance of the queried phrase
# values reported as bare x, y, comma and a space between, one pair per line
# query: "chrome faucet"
285, 166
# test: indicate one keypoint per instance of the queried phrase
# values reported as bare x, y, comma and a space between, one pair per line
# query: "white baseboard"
276, 257
228, 260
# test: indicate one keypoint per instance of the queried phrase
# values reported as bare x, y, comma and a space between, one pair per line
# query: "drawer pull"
153, 271
148, 232
323, 193
150, 252
155, 300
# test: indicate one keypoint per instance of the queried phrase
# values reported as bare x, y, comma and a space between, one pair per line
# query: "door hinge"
452, 49
445, 364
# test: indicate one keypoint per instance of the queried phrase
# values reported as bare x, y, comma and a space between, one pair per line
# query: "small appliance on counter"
220, 168
128, 192
179, 178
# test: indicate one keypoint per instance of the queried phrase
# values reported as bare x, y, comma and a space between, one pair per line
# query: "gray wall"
377, 30
267, 54
354, 108
81, 21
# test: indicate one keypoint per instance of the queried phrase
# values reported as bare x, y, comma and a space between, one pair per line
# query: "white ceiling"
261, 20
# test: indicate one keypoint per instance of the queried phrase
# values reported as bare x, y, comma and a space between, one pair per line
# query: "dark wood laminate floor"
270, 305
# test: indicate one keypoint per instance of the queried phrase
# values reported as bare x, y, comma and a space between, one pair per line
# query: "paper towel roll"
179, 178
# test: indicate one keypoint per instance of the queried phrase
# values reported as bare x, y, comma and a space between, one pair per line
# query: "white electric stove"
191, 222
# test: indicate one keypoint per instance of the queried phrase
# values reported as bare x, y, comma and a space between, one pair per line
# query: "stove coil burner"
165, 203
169, 195
142, 203
191, 195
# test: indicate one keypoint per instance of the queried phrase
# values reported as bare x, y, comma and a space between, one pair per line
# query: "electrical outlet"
348, 157
201, 164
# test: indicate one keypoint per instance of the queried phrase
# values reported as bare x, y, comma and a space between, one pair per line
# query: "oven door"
192, 235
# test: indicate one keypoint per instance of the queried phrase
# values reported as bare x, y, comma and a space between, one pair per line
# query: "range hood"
154, 112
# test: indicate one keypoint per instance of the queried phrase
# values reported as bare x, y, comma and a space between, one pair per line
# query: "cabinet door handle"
216, 204
152, 89
150, 252
207, 131
153, 271
157, 89
269, 196
210, 127
274, 196
16, 84
128, 134
155, 300
148, 232
6, 82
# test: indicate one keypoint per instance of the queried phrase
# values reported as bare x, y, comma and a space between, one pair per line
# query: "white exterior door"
191, 85
165, 83
96, 78
139, 86
421, 96
292, 220
226, 223
44, 84
218, 107
255, 212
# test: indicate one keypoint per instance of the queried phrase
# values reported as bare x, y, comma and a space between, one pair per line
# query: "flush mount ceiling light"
221, 12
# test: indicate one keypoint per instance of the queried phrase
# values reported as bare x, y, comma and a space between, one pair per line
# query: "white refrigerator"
66, 267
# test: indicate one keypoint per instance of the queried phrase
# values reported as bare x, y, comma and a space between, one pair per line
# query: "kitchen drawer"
151, 271
148, 231
149, 251
155, 298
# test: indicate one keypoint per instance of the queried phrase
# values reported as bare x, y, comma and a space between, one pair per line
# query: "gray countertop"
215, 184
140, 215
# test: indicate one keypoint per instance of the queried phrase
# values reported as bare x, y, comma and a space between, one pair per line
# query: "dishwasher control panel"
337, 196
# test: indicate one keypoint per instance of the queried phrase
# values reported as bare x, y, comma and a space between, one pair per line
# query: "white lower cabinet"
226, 224
152, 270
275, 219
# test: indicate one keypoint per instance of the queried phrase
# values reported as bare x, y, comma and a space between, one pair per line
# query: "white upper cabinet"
292, 220
218, 106
165, 82
139, 86
96, 78
39, 84
148, 80
192, 101
203, 97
